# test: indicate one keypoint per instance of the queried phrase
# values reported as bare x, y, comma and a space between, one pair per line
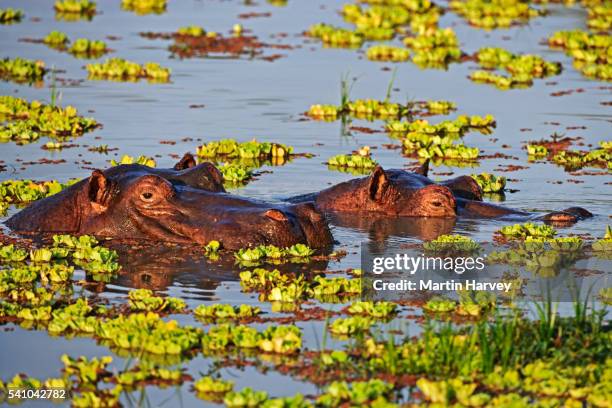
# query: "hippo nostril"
276, 215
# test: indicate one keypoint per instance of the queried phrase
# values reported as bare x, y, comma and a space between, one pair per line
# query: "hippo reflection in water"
184, 205
402, 193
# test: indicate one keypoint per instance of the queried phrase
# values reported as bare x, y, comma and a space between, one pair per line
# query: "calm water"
255, 98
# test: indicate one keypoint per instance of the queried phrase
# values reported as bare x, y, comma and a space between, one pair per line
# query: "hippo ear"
186, 162
99, 190
377, 183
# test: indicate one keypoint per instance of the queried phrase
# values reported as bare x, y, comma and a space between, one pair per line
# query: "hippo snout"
314, 225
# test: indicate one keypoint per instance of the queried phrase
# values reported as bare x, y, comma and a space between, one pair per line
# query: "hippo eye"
436, 203
147, 195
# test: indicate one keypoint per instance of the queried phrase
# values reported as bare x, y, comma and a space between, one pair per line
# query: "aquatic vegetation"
28, 121
432, 147
376, 16
226, 312
572, 160
149, 333
451, 243
522, 231
235, 174
283, 339
455, 128
231, 149
495, 13
335, 36
522, 68
387, 53
376, 310
210, 385
602, 245
142, 7
143, 300
589, 51
439, 304
435, 48
143, 160
357, 393
372, 109
56, 39
490, 183
245, 398
352, 160
26, 191
86, 48
10, 15
502, 81
119, 69
350, 325
535, 150
323, 112
192, 30
75, 6
273, 253
278, 287
22, 70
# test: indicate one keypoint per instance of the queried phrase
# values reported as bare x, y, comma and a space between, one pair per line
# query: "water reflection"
379, 227
158, 267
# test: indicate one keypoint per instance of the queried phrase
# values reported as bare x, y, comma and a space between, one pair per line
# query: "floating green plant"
28, 121
10, 15
352, 161
522, 231
83, 47
451, 243
143, 300
273, 253
490, 183
522, 69
537, 151
589, 51
336, 37
573, 160
143, 160
387, 53
494, 13
374, 392
350, 325
119, 69
226, 312
435, 48
246, 397
21, 70
376, 310
231, 149
142, 7
75, 6
210, 385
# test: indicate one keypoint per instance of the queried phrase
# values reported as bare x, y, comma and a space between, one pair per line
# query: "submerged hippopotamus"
184, 205
401, 193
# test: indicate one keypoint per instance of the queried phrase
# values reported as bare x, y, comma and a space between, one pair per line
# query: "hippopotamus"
397, 192
186, 204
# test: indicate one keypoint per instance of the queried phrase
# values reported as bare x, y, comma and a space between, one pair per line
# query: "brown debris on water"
189, 46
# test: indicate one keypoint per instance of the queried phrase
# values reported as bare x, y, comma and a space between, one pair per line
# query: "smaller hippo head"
392, 192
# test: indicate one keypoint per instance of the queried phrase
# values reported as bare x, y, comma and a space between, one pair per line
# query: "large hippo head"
135, 202
392, 192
